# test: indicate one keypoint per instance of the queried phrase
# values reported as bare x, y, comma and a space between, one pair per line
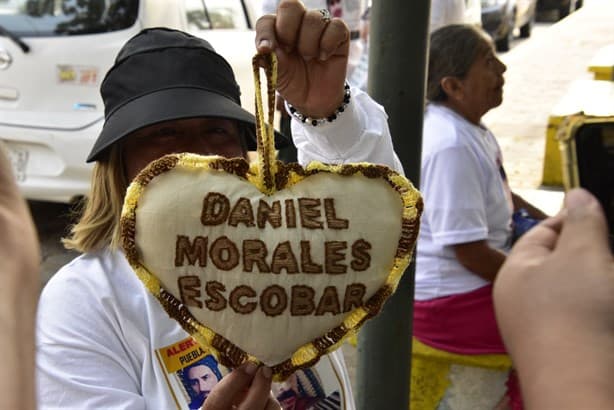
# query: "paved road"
52, 221
538, 76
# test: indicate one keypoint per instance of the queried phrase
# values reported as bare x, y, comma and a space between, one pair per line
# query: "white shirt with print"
466, 199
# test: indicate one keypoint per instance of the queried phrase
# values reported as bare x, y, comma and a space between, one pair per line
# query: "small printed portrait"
302, 391
199, 378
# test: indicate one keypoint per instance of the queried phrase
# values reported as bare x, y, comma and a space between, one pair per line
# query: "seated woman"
466, 228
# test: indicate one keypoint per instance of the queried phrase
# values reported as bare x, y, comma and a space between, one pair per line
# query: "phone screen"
595, 154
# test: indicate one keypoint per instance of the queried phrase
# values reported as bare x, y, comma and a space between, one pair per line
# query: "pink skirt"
464, 324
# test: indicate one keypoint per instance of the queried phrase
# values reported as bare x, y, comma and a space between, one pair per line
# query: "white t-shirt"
104, 342
466, 199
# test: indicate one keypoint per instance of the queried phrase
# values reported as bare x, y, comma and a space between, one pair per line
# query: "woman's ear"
453, 87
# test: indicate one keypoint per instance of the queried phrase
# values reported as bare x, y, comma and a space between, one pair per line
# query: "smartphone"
595, 161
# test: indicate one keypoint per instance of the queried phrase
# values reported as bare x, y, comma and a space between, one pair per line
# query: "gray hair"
453, 50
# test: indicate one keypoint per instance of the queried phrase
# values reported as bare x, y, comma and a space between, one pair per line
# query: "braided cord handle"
265, 134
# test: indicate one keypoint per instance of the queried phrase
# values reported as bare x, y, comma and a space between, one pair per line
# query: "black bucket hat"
162, 74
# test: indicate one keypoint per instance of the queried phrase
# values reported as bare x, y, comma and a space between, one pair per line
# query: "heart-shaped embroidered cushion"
280, 278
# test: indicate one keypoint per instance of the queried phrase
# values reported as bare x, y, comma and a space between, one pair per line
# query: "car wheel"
525, 31
503, 44
566, 9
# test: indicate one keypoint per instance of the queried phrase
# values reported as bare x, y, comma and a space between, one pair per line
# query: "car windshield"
216, 14
37, 18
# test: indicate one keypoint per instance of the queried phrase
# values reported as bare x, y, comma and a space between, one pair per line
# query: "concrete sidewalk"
540, 72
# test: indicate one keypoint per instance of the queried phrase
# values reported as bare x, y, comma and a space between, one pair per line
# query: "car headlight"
492, 3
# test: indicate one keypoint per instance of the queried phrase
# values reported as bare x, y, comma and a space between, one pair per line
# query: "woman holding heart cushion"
103, 340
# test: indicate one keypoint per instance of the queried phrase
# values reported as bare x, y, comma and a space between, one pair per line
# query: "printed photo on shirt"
199, 378
192, 371
304, 390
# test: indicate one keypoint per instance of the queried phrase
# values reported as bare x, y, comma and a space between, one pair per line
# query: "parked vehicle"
53, 57
564, 7
501, 17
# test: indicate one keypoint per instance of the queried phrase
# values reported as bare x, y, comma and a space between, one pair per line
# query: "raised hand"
312, 50
554, 299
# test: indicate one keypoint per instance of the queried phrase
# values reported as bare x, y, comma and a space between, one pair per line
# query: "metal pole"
397, 70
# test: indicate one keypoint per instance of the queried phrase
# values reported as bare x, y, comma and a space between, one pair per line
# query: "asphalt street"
540, 72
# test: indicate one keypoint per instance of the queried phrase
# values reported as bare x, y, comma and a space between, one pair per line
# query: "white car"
53, 57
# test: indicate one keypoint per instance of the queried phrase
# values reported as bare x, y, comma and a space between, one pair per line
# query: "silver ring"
325, 15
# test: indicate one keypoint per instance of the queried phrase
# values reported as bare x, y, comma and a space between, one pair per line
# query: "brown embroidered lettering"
224, 253
290, 214
269, 213
217, 301
302, 301
235, 300
242, 212
362, 259
189, 289
331, 217
255, 251
307, 265
332, 252
354, 294
310, 212
195, 251
329, 302
283, 258
215, 209
273, 300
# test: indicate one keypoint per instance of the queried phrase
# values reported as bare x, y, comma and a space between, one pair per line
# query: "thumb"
585, 228
266, 41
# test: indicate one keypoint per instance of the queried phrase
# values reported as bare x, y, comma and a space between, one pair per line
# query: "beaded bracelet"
319, 121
